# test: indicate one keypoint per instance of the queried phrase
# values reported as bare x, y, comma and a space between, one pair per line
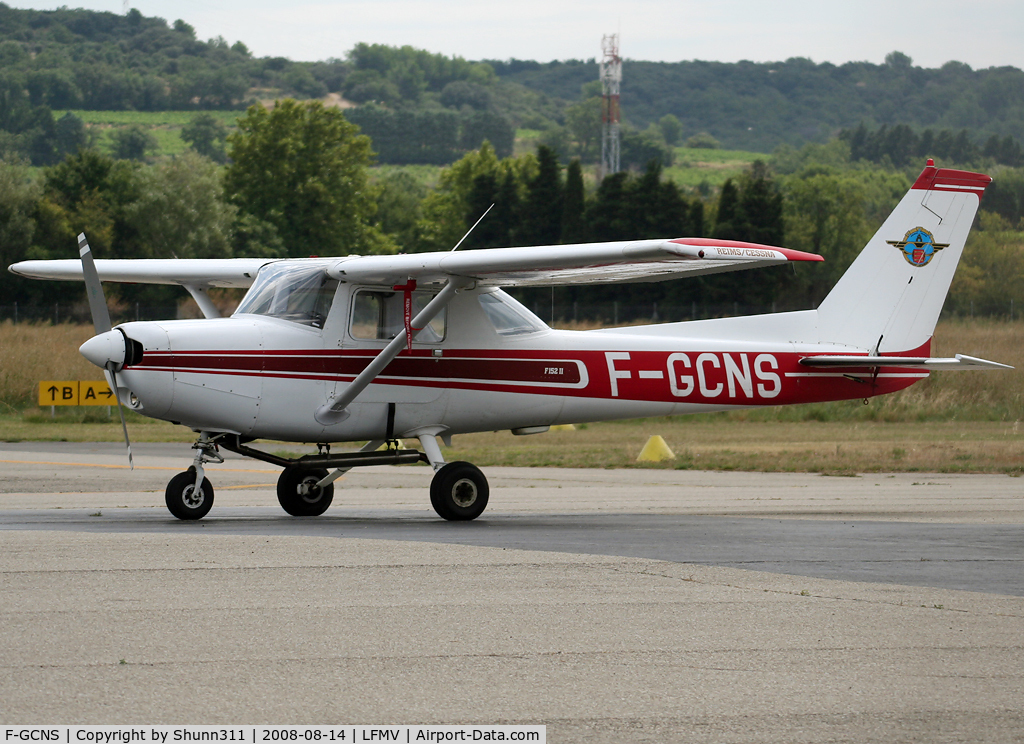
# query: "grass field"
694, 166
952, 422
165, 126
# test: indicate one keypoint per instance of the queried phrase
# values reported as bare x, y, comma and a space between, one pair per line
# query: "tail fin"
890, 297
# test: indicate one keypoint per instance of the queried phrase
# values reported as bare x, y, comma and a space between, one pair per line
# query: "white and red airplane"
425, 346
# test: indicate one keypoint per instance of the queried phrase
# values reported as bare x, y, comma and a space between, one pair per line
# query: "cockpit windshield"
508, 317
292, 291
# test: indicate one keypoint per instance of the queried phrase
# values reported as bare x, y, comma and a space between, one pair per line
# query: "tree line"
901, 145
297, 182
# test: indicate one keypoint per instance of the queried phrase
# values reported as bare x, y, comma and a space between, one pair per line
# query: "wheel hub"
191, 498
464, 493
309, 492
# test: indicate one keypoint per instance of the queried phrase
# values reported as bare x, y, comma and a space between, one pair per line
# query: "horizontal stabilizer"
958, 362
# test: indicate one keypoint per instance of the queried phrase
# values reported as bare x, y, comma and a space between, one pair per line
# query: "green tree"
132, 143
19, 194
206, 135
697, 225
573, 205
256, 238
446, 207
70, 135
399, 196
727, 217
180, 211
825, 215
541, 222
583, 121
991, 273
671, 129
89, 192
761, 207
303, 168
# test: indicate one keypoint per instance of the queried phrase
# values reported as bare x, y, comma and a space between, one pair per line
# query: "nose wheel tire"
314, 501
459, 492
182, 499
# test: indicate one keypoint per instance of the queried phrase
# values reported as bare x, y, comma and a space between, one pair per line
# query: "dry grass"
837, 448
32, 352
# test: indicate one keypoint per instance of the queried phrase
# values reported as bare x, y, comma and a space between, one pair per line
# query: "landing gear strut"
189, 495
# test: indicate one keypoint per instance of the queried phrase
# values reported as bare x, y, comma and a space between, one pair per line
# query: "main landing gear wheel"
459, 492
314, 501
182, 499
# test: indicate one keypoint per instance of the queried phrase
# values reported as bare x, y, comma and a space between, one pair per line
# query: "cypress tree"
542, 218
573, 226
482, 194
697, 228
728, 213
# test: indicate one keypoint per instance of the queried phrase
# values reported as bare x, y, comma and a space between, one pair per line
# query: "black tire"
459, 492
179, 496
312, 504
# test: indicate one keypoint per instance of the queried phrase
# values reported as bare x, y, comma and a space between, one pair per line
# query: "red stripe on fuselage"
712, 378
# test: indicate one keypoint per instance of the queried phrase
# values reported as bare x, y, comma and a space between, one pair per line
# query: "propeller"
108, 348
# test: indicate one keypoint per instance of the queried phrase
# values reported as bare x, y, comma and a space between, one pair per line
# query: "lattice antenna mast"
611, 79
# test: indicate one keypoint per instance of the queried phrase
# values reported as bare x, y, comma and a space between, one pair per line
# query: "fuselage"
486, 364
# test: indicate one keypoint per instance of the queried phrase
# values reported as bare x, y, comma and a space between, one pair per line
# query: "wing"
186, 272
587, 263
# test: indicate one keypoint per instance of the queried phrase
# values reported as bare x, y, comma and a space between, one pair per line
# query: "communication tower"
611, 79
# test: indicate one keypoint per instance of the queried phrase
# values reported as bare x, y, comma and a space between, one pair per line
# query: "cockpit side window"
300, 294
508, 317
380, 314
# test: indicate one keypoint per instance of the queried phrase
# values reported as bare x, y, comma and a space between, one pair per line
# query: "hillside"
757, 106
99, 61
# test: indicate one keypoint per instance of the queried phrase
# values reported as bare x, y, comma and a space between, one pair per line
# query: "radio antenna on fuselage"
473, 228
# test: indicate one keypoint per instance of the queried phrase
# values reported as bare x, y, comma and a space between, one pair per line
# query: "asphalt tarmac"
631, 605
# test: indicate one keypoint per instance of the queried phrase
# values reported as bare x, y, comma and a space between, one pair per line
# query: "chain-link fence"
78, 312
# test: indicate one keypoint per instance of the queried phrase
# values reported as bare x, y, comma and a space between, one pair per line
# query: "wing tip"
789, 253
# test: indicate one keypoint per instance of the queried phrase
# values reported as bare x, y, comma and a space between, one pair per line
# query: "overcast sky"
982, 33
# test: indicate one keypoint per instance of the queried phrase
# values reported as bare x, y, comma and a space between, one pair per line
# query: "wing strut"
335, 410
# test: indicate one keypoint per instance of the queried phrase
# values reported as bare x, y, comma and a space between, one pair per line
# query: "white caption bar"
404, 734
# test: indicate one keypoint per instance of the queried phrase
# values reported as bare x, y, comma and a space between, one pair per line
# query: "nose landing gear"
184, 501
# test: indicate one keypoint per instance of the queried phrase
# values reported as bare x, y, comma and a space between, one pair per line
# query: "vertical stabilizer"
890, 297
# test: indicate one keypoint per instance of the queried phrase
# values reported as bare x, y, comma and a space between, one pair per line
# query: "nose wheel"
459, 492
184, 501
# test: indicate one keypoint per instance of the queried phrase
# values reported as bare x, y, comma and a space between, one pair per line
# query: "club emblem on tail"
918, 246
